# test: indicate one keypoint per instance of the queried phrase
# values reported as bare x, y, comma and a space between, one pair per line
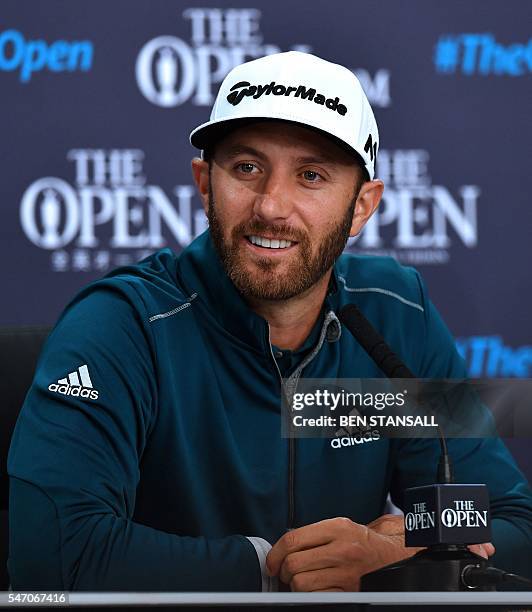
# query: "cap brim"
208, 134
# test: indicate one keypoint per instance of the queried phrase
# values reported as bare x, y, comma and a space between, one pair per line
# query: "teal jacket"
148, 452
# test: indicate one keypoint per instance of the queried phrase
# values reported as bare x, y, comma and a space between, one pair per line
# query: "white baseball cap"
300, 88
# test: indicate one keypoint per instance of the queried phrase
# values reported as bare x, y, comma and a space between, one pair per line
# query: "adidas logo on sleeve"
77, 384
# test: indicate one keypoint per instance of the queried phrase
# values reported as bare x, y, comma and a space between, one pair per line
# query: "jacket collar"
200, 270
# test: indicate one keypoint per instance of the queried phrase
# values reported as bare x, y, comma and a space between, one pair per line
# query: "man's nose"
273, 202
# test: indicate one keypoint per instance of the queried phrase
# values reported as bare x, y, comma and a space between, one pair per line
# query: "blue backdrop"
98, 99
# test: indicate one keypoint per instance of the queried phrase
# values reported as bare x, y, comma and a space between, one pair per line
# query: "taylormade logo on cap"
295, 87
244, 88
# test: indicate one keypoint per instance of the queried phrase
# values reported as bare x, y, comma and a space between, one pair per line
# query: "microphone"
443, 517
373, 343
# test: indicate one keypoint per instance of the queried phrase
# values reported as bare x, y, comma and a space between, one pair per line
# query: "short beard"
303, 272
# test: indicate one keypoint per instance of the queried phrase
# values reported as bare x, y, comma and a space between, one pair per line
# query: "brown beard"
303, 272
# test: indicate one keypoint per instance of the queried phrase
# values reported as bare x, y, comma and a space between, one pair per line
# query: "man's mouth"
270, 243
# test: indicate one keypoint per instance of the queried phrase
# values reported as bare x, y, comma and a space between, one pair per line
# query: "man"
148, 454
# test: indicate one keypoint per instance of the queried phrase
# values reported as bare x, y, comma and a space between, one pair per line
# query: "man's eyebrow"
318, 159
237, 150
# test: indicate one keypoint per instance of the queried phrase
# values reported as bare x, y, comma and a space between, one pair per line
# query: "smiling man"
171, 474
283, 210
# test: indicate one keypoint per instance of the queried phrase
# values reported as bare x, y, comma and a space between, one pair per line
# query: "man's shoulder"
145, 289
155, 277
380, 278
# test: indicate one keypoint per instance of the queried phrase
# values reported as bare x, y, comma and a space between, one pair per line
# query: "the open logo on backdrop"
171, 71
109, 216
417, 222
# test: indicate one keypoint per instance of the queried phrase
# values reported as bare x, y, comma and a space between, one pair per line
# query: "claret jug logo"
243, 89
170, 71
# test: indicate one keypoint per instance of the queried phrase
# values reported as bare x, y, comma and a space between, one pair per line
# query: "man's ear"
200, 172
367, 201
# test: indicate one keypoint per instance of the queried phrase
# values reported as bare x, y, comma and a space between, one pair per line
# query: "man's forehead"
298, 141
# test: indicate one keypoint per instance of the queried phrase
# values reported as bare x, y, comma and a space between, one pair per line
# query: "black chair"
19, 349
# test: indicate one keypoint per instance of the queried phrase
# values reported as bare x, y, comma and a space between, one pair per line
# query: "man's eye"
311, 175
246, 167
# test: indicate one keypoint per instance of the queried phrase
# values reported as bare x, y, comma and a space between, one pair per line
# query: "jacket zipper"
291, 451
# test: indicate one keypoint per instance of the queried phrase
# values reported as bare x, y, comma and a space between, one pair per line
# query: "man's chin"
265, 283
267, 268
267, 293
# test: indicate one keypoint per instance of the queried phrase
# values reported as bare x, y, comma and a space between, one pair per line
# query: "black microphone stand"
439, 567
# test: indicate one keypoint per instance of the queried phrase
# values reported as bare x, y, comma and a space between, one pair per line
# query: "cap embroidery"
244, 88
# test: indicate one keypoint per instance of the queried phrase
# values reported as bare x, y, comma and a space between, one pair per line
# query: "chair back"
19, 350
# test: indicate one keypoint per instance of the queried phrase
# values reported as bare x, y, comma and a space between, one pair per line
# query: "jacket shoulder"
150, 287
367, 275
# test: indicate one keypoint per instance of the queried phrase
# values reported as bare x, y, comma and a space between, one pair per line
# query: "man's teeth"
270, 244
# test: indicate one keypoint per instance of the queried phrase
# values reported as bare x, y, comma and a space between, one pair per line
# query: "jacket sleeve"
475, 460
74, 468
